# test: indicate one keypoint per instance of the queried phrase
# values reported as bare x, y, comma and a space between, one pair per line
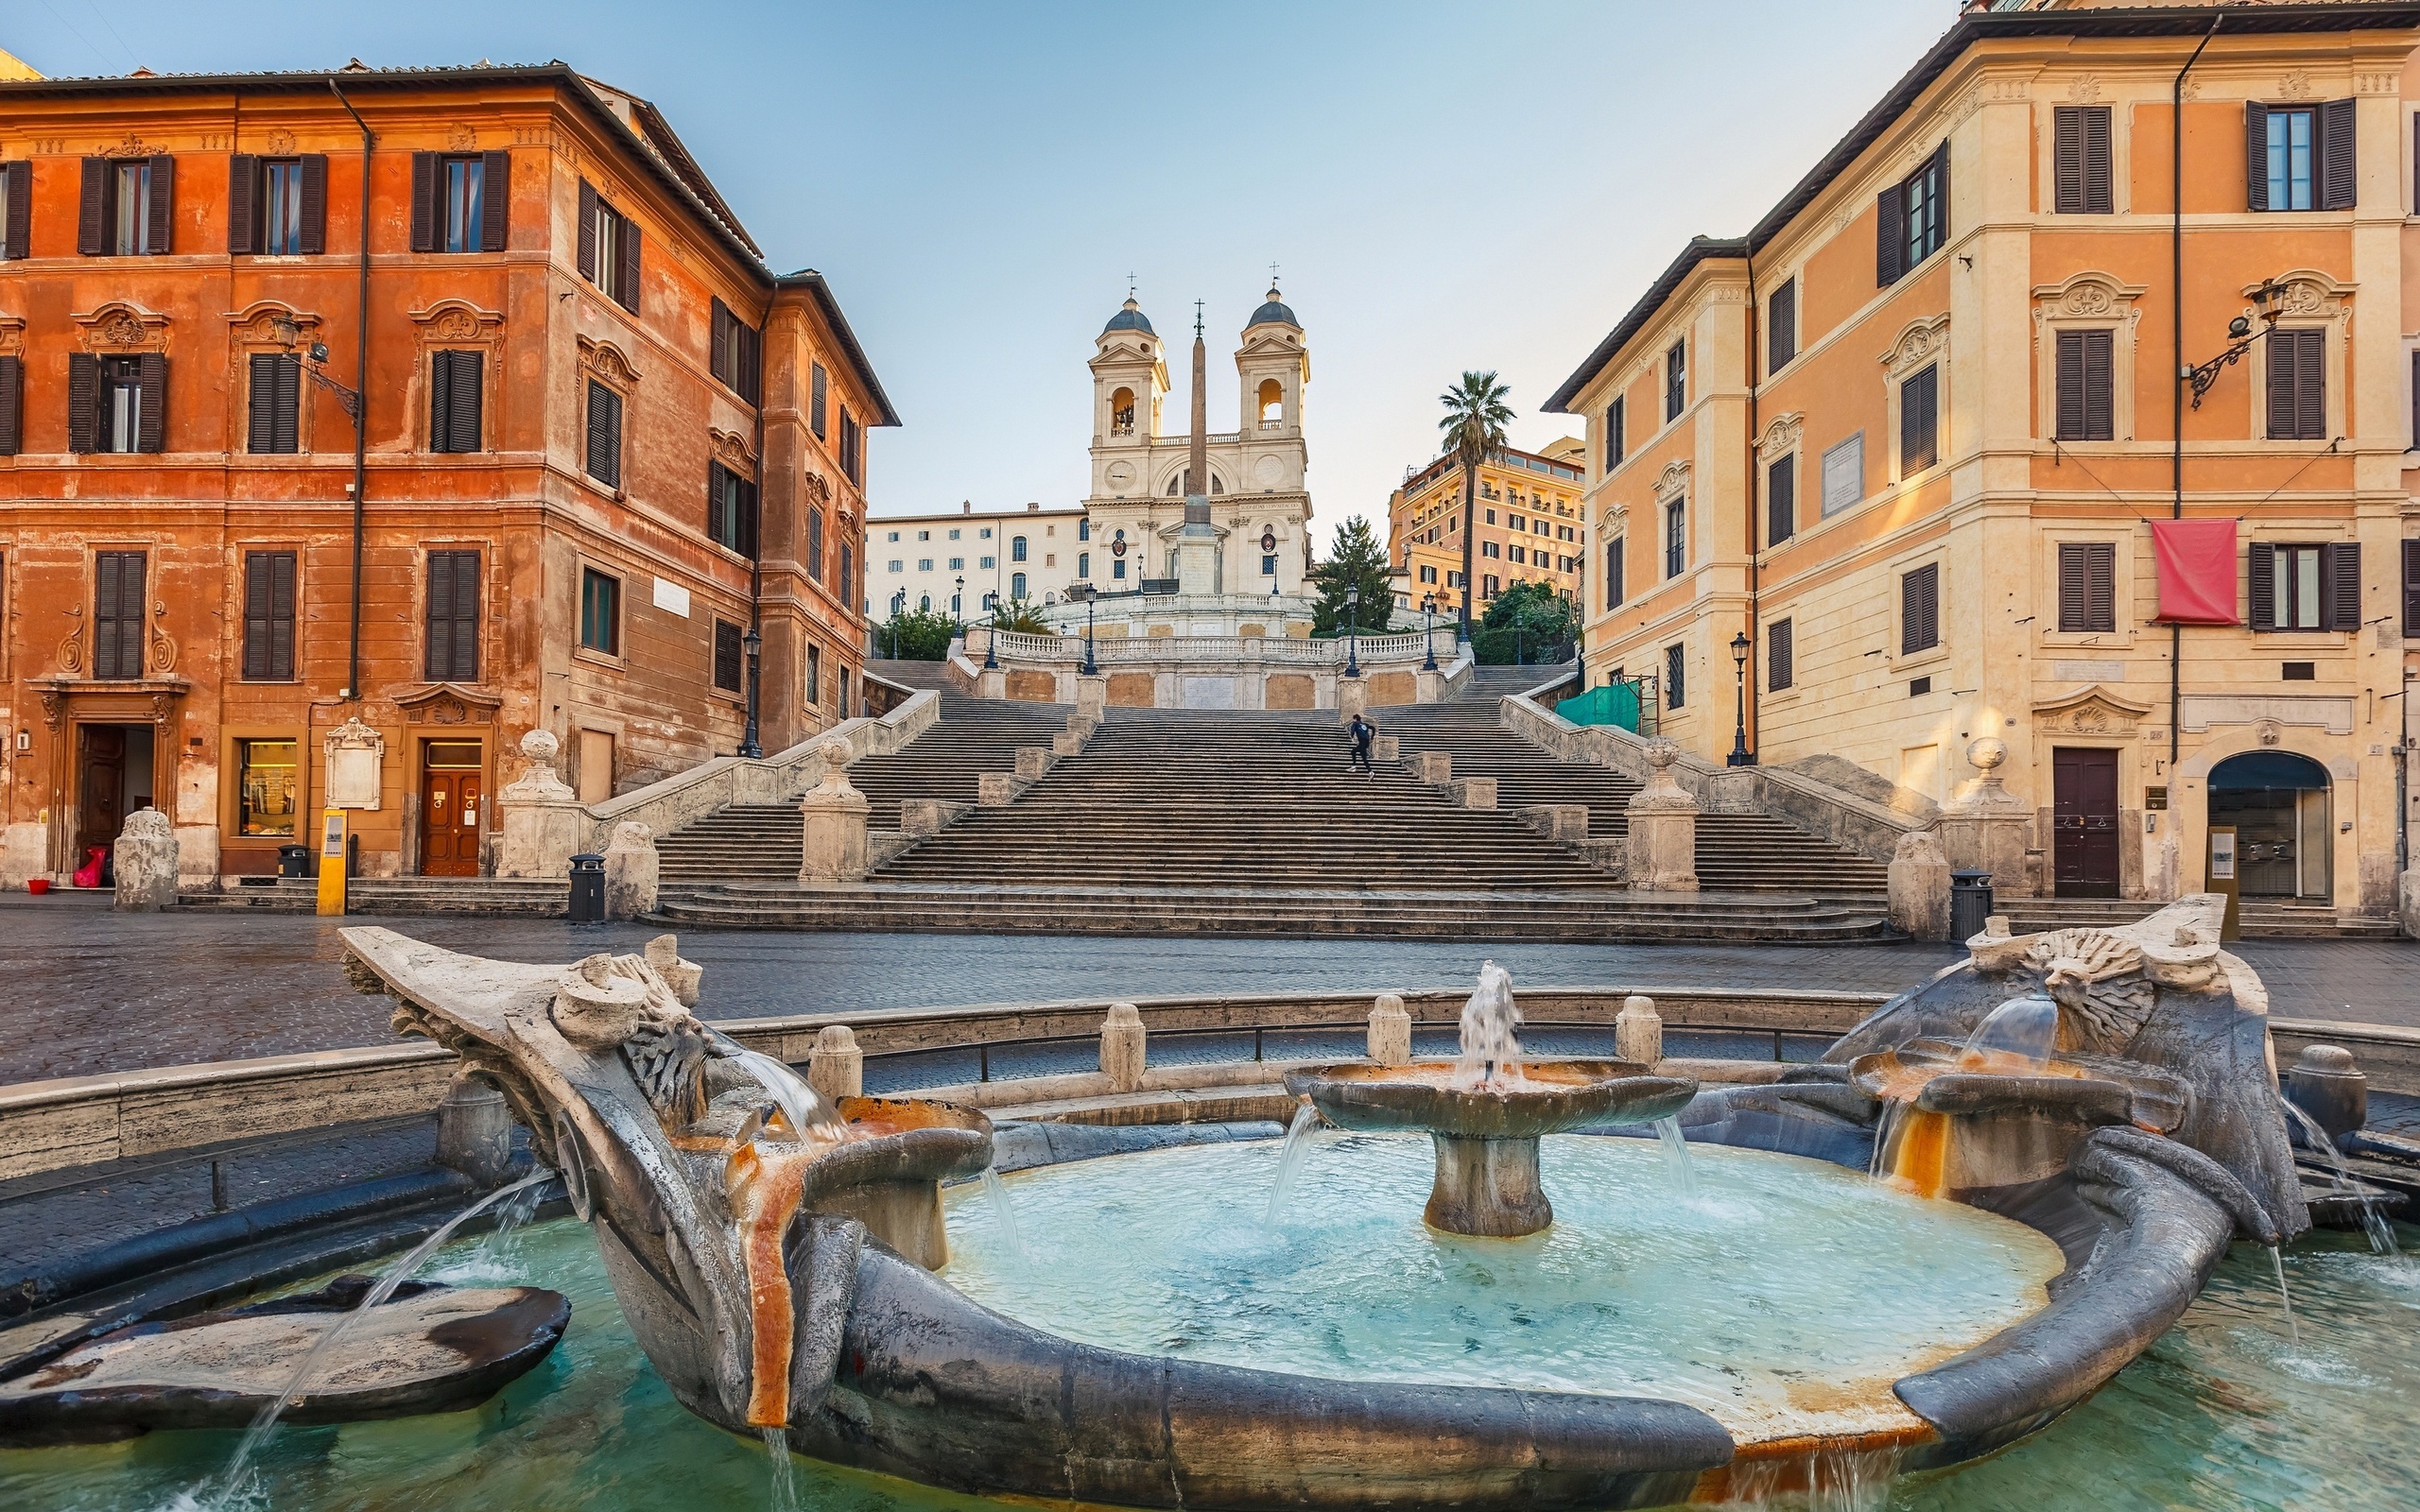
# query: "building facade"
1912, 446
1529, 525
946, 563
601, 444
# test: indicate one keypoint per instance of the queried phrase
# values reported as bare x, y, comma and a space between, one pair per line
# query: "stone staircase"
2263, 918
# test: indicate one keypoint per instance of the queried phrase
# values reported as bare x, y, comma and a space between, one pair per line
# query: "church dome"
1274, 313
1130, 318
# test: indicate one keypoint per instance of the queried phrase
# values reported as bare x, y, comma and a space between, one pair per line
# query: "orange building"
579, 373
1528, 527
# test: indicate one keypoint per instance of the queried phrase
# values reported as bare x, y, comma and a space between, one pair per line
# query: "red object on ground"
36, 885
2196, 572
89, 874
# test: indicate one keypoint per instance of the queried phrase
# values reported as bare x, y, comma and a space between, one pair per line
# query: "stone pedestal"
1066, 743
835, 1068
1434, 768
1121, 1047
833, 824
1091, 696
632, 871
475, 1131
1386, 747
1352, 696
1082, 725
1390, 1031
1987, 827
1663, 849
1567, 822
1473, 792
994, 790
542, 820
1638, 1031
1919, 881
1487, 1188
1033, 762
144, 861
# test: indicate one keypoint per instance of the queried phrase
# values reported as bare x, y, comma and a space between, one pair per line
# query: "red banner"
2196, 572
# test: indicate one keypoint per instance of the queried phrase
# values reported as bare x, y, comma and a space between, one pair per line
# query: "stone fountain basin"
1551, 1097
1940, 1075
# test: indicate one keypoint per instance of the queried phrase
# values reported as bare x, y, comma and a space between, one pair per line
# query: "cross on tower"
1197, 318
1129, 286
1272, 275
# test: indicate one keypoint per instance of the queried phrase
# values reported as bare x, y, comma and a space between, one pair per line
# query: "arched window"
1084, 529
924, 604
1016, 552
1083, 565
1273, 404
1017, 582
1121, 412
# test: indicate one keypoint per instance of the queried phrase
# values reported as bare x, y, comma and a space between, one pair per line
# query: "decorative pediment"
2308, 294
604, 362
2087, 296
461, 321
121, 327
1783, 434
13, 336
129, 146
256, 322
2093, 711
731, 450
1614, 513
1919, 341
449, 703
1673, 481
817, 491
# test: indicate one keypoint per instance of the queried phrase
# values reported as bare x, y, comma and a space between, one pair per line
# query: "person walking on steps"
1362, 732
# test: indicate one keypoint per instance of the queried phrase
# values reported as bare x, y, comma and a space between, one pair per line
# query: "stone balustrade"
1273, 672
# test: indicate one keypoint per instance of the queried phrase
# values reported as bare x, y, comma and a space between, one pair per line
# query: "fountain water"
1489, 1022
808, 1114
1676, 1154
777, 1454
996, 1191
2285, 1298
1289, 1162
2022, 1032
2373, 1223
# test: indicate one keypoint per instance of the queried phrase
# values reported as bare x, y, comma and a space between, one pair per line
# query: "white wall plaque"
671, 597
356, 753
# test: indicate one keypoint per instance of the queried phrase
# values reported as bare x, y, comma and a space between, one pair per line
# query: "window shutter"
2341, 586
727, 656
1614, 584
495, 200
2261, 572
280, 616
587, 230
441, 402
2282, 372
83, 403
2066, 159
716, 472
2100, 401
158, 237
2070, 388
287, 434
2100, 198
151, 427
2411, 588
1941, 192
2100, 586
2310, 384
243, 190
466, 399
453, 616
1779, 655
604, 435
425, 178
1919, 608
626, 281
2339, 185
2073, 587
93, 208
262, 403
752, 375
1889, 237
719, 342
117, 615
1781, 342
1919, 421
2255, 155
747, 520
12, 405
814, 545
1781, 499
20, 206
315, 204
256, 608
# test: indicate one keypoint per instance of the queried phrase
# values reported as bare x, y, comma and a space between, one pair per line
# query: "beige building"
946, 563
1914, 442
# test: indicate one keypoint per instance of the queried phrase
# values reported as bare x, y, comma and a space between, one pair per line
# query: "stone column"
144, 861
632, 871
542, 818
1121, 1046
1987, 827
1638, 1031
1390, 1031
1663, 851
1919, 881
835, 1068
834, 824
475, 1131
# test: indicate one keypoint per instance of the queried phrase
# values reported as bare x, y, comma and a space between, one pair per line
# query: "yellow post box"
332, 848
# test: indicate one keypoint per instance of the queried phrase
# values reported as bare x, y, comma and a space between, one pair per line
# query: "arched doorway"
2284, 839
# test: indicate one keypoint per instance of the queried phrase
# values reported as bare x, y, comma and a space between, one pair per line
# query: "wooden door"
2085, 822
100, 788
449, 806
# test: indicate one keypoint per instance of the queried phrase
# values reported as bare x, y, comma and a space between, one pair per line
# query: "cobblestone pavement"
89, 992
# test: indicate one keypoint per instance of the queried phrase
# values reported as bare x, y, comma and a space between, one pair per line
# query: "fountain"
1485, 1112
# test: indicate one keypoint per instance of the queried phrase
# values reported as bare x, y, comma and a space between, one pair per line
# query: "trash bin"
587, 889
1970, 903
294, 861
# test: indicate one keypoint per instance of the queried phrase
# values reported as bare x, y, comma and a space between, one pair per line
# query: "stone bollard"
1352, 697
835, 1068
1386, 748
1092, 695
1919, 883
1121, 1046
1066, 743
145, 860
833, 824
1663, 852
1473, 792
994, 790
1435, 767
633, 871
539, 815
1082, 725
1638, 1032
1390, 1031
475, 1131
1033, 762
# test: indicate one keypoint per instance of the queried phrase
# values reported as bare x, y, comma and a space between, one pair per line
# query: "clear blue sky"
1443, 186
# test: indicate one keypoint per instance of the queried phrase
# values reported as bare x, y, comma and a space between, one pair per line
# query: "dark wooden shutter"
1920, 421
2261, 572
2339, 185
12, 405
20, 206
315, 204
1779, 655
814, 545
151, 426
2081, 164
747, 520
2255, 155
727, 656
453, 616
260, 433
2066, 159
2073, 573
2088, 587
1920, 608
425, 188
752, 374
716, 493
843, 584
2411, 588
2086, 402
587, 230
243, 199
816, 388
1614, 583
1781, 500
1940, 198
626, 281
2070, 386
719, 342
2310, 386
286, 434
1613, 438
269, 616
457, 394
1889, 237
441, 400
92, 208
159, 237
84, 402
604, 435
2340, 586
495, 200
1781, 342
2281, 383
117, 615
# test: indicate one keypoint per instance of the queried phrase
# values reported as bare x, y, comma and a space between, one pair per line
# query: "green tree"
916, 636
1524, 622
1356, 560
1475, 415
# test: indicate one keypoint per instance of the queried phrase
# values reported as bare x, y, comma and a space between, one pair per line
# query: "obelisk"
1197, 545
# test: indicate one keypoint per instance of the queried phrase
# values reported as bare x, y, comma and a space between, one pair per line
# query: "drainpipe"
361, 389
2177, 369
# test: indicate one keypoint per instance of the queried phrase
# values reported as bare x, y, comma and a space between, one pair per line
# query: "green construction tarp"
1616, 703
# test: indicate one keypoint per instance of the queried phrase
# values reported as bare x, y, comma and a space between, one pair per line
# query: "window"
601, 612
1676, 381
1781, 500
1083, 565
852, 460
2411, 588
275, 402
1489, 548
988, 563
1518, 553
464, 180
2085, 412
1920, 608
117, 613
1779, 655
1614, 587
269, 616
730, 512
1919, 421
266, 791
727, 651
453, 638
815, 543
1613, 438
1516, 523
1016, 548
1676, 537
1084, 529
893, 536
984, 534
2297, 372
604, 435
957, 564
1676, 669
923, 535
1781, 326
1016, 585
459, 200
457, 397
814, 673
896, 565
2306, 588
2080, 155
1845, 474
2299, 157
1117, 568
815, 401
117, 403
277, 206
1491, 517
609, 249
131, 206
16, 207
734, 353
1491, 585
848, 571
1911, 219
956, 534
124, 206
923, 564
2088, 587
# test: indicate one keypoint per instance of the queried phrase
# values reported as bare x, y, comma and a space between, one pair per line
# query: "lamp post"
956, 605
753, 645
1740, 754
1091, 667
992, 635
1353, 632
1428, 630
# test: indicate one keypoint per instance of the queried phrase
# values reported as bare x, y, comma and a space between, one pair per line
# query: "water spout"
1676, 1156
1877, 1166
1289, 1160
2285, 1298
996, 1191
804, 1109
1490, 1050
2022, 1029
2373, 1223
777, 1453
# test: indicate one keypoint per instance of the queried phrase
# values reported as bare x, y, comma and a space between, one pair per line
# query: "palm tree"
1474, 427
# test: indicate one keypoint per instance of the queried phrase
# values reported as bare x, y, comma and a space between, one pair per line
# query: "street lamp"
2268, 303
1091, 595
753, 645
1353, 632
1740, 754
1428, 630
290, 335
991, 636
957, 605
